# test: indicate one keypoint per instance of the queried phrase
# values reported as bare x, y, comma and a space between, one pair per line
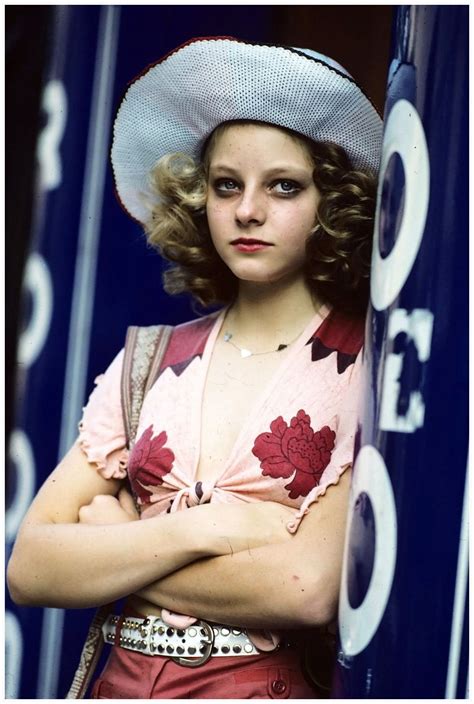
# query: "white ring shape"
54, 103
403, 135
13, 655
38, 282
21, 454
358, 626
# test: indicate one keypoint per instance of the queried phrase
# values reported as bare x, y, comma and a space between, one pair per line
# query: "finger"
103, 500
84, 514
126, 502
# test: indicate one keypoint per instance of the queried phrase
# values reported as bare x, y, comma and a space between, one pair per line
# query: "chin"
260, 273
267, 278
255, 277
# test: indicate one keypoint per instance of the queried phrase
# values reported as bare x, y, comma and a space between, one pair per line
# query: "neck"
270, 314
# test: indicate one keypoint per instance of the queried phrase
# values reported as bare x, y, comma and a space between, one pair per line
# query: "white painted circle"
48, 149
403, 135
38, 282
358, 626
21, 454
13, 655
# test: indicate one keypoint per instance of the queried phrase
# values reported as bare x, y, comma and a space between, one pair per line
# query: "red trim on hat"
117, 197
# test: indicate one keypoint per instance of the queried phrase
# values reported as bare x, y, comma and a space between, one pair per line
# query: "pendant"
245, 353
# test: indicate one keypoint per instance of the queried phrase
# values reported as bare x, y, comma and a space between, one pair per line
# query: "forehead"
257, 139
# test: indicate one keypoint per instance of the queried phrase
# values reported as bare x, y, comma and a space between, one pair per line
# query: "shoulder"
188, 341
340, 333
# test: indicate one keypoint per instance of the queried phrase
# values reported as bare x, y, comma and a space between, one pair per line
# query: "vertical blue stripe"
459, 606
83, 298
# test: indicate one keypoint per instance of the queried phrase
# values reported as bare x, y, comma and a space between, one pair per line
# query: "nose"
250, 209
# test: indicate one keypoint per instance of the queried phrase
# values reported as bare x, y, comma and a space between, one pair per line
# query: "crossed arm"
62, 559
282, 585
78, 547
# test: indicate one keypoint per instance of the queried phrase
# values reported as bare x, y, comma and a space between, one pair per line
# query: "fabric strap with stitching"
145, 348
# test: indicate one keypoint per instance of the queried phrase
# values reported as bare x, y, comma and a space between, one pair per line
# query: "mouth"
249, 244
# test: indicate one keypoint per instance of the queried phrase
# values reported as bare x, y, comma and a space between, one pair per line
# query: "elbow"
17, 587
24, 584
320, 611
316, 603
28, 590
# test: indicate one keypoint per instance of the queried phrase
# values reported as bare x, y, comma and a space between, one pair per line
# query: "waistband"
190, 647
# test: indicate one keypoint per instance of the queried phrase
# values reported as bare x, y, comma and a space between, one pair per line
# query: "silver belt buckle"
208, 641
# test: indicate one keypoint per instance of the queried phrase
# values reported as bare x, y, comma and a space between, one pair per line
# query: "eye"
225, 186
286, 187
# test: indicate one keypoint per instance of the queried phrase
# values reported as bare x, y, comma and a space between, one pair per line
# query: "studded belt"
190, 647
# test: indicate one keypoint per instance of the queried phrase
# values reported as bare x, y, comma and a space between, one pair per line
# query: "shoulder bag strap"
144, 352
145, 348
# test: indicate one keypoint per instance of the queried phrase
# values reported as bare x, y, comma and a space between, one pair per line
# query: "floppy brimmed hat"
175, 104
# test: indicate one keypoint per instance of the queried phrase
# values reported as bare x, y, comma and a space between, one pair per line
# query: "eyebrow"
273, 171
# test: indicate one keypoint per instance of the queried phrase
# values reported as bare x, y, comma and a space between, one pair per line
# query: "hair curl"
338, 248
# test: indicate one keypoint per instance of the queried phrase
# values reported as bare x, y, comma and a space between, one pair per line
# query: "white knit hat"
175, 104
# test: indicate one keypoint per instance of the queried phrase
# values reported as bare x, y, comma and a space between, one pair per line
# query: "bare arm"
58, 562
275, 586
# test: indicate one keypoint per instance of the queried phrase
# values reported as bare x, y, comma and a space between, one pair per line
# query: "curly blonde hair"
338, 248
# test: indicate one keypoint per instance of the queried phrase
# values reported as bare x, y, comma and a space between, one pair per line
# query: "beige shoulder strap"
144, 351
145, 348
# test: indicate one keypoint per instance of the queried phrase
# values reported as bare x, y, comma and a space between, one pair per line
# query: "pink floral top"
297, 440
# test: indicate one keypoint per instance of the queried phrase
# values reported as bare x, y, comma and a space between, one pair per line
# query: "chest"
232, 391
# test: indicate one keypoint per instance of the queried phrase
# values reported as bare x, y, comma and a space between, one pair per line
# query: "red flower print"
149, 462
295, 449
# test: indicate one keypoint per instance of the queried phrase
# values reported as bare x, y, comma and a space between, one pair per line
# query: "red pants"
131, 675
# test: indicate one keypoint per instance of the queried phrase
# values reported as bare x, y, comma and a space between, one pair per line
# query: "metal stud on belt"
189, 647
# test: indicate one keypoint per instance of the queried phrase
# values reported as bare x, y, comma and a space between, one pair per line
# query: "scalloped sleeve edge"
320, 490
101, 430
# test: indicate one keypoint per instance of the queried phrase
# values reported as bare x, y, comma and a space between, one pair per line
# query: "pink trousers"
131, 675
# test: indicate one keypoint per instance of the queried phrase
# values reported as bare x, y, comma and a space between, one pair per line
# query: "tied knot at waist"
193, 495
199, 493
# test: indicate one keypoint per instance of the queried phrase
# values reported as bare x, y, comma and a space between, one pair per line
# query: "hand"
105, 509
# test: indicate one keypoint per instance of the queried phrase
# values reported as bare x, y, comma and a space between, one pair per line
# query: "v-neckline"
312, 326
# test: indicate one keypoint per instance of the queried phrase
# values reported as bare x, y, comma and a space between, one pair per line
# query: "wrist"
202, 530
191, 533
203, 527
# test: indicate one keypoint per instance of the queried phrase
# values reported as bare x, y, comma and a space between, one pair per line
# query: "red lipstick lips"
249, 244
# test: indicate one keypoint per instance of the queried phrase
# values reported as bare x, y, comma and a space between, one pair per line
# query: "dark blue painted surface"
392, 205
362, 549
40, 388
409, 653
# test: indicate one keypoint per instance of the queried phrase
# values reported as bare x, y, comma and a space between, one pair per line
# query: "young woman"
252, 169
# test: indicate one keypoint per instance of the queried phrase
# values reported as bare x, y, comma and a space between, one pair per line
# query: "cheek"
298, 227
217, 223
215, 213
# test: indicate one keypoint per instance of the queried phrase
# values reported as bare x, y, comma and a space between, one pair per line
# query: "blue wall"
403, 606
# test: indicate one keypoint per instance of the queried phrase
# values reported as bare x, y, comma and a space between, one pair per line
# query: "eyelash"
296, 188
219, 184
